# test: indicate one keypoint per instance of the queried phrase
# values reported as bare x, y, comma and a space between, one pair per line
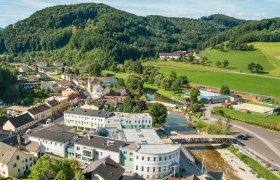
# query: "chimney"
18, 139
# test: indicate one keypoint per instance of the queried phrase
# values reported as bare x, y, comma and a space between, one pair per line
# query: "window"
154, 169
142, 158
14, 165
124, 152
142, 169
159, 169
137, 157
30, 158
169, 156
136, 167
87, 153
148, 158
78, 156
154, 158
148, 169
17, 157
165, 157
159, 158
78, 148
26, 160
18, 170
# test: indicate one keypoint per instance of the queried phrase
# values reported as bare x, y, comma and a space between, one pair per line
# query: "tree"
52, 168
225, 90
218, 63
183, 80
128, 105
225, 63
251, 66
68, 71
175, 86
142, 105
194, 94
134, 82
120, 83
77, 71
158, 112
158, 79
135, 67
173, 75
195, 107
94, 69
258, 68
166, 83
36, 69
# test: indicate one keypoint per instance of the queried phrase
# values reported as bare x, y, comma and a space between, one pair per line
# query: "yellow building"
58, 104
14, 162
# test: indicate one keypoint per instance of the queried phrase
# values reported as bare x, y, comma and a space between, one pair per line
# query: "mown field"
272, 121
265, 54
216, 78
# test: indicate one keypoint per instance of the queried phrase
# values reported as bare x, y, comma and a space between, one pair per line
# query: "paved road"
264, 143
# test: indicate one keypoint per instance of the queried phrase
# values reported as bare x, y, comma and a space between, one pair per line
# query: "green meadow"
208, 76
265, 54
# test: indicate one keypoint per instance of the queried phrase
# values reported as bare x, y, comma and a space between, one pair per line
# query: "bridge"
202, 138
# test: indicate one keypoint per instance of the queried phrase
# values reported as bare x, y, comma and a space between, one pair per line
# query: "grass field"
210, 77
265, 54
272, 121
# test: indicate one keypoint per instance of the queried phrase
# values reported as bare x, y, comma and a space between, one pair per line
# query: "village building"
4, 119
58, 63
58, 104
15, 110
42, 64
147, 156
68, 77
73, 99
19, 123
104, 169
64, 83
40, 112
53, 141
93, 148
171, 55
67, 91
211, 97
41, 75
14, 162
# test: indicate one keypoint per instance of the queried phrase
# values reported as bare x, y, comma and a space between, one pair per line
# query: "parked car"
28, 131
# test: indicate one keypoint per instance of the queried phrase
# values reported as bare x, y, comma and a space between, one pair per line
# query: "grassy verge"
254, 165
271, 122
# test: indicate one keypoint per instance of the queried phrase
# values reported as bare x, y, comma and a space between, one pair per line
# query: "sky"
12, 11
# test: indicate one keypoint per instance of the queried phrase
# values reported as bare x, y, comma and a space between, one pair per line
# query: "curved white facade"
151, 165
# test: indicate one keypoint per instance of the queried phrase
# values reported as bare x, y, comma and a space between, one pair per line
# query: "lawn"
272, 121
214, 77
265, 54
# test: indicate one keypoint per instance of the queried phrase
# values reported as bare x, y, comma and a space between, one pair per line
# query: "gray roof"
101, 143
38, 109
21, 120
5, 118
57, 136
88, 112
60, 127
106, 168
6, 153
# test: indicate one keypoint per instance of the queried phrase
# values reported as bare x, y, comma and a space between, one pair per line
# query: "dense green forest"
266, 30
97, 31
85, 32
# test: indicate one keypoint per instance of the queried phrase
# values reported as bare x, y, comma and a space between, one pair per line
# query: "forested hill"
266, 30
96, 31
89, 31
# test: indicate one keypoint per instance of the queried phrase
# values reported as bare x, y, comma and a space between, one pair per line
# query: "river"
176, 121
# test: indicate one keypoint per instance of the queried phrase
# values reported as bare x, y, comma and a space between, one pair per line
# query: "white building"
97, 147
86, 119
130, 120
147, 156
171, 55
53, 140
91, 120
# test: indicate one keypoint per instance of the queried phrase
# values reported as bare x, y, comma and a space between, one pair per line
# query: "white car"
28, 131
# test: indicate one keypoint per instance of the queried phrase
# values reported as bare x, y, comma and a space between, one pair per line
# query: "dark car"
240, 136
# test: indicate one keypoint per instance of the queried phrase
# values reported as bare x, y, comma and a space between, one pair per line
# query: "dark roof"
88, 112
101, 143
53, 102
60, 127
58, 136
106, 168
39, 109
4, 119
21, 120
